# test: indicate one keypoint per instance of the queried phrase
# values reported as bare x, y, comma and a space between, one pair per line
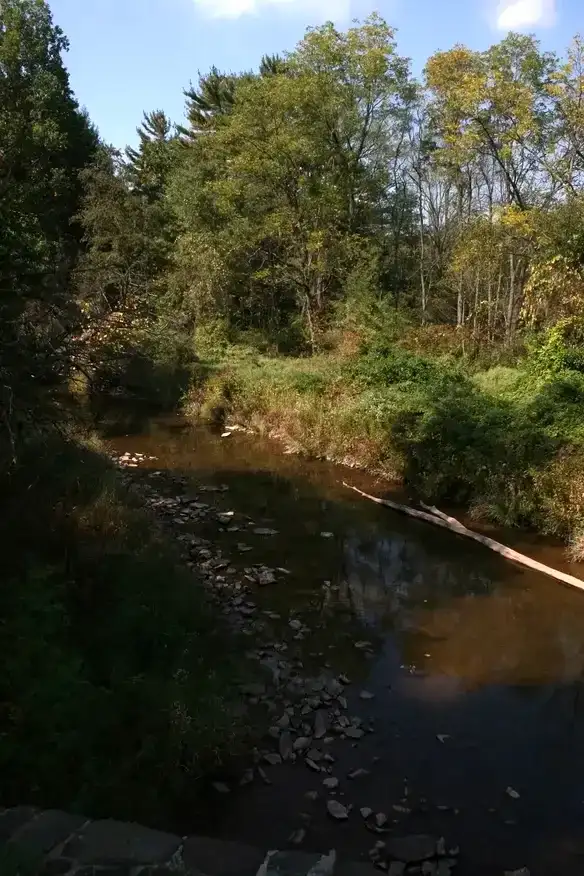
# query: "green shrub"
483, 440
382, 365
116, 688
559, 348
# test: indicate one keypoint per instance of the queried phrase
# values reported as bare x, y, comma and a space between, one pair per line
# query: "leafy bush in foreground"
113, 695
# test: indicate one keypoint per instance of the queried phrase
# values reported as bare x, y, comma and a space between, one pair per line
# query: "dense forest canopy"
331, 185
326, 186
325, 196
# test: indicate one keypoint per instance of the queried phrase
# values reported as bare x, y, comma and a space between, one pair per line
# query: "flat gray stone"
291, 864
57, 867
47, 831
216, 857
12, 820
115, 842
156, 871
128, 870
412, 849
354, 868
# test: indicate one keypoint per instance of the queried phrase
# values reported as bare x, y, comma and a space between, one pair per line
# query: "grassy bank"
507, 442
117, 688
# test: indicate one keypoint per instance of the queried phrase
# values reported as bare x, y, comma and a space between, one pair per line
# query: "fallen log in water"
438, 518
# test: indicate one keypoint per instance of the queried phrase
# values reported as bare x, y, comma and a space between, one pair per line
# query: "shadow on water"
477, 671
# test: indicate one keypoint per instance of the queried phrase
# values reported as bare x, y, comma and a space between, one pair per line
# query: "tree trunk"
476, 306
422, 259
459, 305
511, 299
443, 520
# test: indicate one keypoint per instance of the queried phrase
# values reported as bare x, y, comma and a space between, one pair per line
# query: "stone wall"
54, 843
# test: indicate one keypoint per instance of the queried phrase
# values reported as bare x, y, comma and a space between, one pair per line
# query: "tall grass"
506, 441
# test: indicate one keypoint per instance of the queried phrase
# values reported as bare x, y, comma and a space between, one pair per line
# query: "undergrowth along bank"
506, 441
118, 691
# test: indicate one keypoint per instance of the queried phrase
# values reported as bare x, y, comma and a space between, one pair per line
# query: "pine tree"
214, 97
148, 165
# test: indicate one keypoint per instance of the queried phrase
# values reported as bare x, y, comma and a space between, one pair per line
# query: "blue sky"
132, 55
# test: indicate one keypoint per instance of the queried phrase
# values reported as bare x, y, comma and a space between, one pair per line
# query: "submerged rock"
320, 725
337, 810
273, 759
314, 754
331, 783
358, 774
263, 776
354, 732
325, 866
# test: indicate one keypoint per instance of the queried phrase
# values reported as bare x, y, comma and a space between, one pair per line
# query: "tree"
300, 166
120, 278
150, 164
214, 97
566, 88
45, 140
492, 106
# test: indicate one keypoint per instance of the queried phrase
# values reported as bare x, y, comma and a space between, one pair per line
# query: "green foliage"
211, 338
113, 698
45, 142
495, 441
384, 364
560, 348
133, 338
277, 198
149, 166
112, 683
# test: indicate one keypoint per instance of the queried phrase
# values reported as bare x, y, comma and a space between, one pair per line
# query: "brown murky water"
466, 646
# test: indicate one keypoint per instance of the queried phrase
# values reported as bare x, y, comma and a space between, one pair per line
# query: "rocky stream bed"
316, 720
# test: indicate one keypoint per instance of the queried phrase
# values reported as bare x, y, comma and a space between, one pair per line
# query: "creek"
472, 680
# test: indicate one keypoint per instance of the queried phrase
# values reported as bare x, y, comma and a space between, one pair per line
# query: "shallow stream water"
476, 664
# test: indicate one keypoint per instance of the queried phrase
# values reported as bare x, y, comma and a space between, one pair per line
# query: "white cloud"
517, 14
337, 10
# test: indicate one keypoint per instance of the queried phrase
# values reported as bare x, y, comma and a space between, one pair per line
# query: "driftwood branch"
438, 518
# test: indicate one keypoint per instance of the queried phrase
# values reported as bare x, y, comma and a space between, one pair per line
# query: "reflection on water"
391, 574
482, 622
468, 646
